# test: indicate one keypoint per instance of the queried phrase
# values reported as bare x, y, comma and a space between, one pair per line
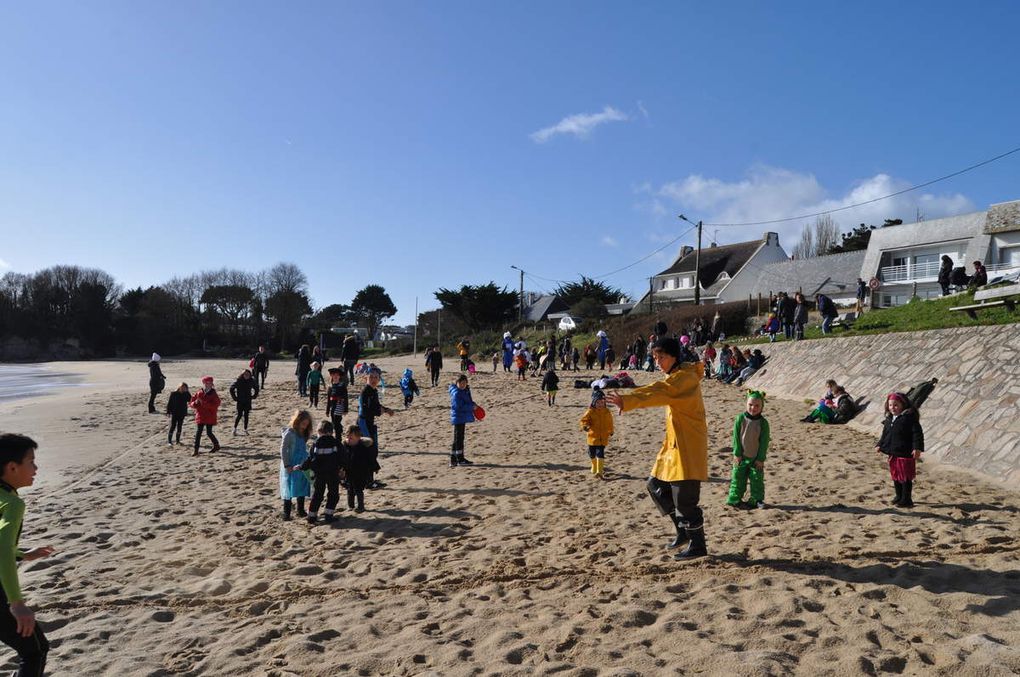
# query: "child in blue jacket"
408, 387
462, 412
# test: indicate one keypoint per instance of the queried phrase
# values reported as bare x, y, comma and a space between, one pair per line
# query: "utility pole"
697, 263
651, 292
520, 307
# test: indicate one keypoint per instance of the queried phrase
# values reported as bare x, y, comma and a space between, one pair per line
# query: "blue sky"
402, 143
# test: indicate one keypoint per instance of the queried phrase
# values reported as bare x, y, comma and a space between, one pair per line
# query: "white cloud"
609, 241
644, 111
774, 193
4, 265
580, 125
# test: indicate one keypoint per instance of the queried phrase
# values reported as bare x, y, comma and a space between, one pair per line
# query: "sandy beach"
521, 564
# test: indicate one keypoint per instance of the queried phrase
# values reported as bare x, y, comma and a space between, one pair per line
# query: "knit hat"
207, 379
685, 339
155, 357
506, 335
597, 395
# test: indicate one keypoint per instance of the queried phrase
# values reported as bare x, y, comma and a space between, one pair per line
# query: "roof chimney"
771, 239
685, 250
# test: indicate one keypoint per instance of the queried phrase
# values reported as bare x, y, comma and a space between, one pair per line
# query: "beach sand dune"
523, 563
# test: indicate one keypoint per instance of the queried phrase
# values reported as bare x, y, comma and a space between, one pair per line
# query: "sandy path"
523, 563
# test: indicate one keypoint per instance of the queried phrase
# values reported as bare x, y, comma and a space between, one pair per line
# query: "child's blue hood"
408, 373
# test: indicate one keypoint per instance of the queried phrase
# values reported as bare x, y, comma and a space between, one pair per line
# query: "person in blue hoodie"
408, 387
462, 412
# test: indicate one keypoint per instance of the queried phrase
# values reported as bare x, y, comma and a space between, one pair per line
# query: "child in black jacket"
177, 410
359, 464
551, 384
325, 462
336, 399
903, 442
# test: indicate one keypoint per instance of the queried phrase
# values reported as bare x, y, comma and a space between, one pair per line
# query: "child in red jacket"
205, 403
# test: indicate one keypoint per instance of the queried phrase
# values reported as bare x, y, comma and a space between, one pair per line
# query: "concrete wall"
971, 420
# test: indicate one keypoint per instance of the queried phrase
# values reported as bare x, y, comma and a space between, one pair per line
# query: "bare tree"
287, 277
805, 249
827, 234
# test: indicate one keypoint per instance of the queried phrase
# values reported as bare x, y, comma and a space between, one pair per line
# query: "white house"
728, 272
834, 275
903, 256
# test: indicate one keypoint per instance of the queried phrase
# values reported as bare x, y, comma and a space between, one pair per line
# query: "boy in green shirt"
18, 628
751, 436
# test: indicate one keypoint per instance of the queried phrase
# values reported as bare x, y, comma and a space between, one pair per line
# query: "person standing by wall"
945, 274
800, 316
862, 294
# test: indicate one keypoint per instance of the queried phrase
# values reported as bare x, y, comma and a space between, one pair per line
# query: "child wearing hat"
336, 398
902, 441
206, 404
598, 423
751, 436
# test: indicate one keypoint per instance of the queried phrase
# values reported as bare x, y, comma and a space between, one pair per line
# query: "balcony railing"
930, 271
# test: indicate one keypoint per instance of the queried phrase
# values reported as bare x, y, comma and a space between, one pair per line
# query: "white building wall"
746, 279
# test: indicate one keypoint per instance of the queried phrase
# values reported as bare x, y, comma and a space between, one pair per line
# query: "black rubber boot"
464, 461
908, 501
899, 493
453, 461
301, 507
681, 534
696, 548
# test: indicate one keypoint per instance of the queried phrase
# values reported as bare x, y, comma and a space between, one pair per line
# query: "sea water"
26, 380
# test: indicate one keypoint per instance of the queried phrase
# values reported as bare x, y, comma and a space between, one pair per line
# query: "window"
670, 283
1010, 256
686, 282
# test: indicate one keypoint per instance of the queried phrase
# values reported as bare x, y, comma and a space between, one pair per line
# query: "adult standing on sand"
260, 365
157, 381
349, 353
304, 365
682, 463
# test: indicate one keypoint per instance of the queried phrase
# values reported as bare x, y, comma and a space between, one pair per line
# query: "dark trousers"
435, 375
788, 329
302, 382
31, 650
176, 425
338, 423
678, 500
596, 451
313, 396
242, 412
349, 368
799, 331
458, 438
260, 376
152, 400
328, 487
356, 494
209, 432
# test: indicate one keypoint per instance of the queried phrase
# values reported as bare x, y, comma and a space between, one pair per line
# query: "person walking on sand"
18, 627
205, 403
682, 462
243, 391
350, 351
260, 363
434, 362
177, 411
157, 381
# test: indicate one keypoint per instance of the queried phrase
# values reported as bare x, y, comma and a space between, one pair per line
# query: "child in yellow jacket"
598, 423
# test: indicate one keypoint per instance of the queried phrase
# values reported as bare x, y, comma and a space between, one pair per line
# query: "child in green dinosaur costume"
750, 443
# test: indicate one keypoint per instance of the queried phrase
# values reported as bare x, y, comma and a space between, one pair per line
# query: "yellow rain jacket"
599, 424
684, 453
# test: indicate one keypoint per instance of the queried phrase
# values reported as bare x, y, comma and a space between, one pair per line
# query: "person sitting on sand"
681, 464
18, 628
751, 435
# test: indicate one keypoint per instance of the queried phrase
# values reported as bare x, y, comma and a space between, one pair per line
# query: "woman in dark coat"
945, 271
157, 381
304, 365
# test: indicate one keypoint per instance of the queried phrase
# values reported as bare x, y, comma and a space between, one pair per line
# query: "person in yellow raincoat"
682, 463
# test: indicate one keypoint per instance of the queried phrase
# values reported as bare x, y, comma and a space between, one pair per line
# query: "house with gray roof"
905, 259
541, 307
727, 272
834, 275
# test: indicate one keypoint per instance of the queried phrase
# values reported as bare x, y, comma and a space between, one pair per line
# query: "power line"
868, 202
644, 258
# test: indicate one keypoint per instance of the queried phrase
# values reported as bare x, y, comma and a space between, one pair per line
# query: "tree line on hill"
224, 308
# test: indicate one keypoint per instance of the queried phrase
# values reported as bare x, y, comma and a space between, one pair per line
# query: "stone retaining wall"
971, 419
